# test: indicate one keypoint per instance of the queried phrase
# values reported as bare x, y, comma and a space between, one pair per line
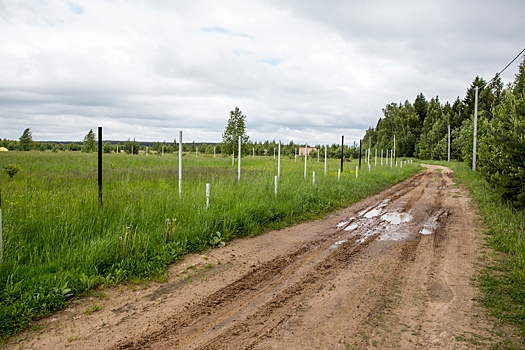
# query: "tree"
131, 147
502, 150
88, 145
434, 127
420, 107
26, 140
236, 127
519, 81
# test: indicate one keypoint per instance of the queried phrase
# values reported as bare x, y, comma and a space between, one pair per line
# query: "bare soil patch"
393, 271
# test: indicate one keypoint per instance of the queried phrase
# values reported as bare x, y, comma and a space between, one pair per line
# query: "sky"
307, 71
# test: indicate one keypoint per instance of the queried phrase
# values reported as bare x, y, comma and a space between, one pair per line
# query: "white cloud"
303, 70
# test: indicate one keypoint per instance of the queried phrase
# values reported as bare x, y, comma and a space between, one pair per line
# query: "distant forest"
421, 131
266, 148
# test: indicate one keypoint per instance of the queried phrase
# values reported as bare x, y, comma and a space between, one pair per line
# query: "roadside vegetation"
59, 242
502, 280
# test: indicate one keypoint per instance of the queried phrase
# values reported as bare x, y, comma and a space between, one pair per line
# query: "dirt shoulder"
393, 271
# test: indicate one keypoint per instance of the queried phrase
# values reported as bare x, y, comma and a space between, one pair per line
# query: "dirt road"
393, 271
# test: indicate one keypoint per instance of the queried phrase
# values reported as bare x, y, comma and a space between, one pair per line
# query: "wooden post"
342, 151
100, 165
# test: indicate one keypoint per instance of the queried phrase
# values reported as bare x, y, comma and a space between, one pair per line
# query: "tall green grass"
59, 242
502, 281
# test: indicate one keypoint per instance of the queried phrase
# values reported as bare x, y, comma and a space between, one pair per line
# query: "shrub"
11, 170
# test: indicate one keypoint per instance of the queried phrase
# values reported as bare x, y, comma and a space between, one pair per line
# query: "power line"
507, 66
511, 62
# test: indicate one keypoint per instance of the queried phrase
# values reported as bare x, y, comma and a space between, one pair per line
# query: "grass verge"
502, 280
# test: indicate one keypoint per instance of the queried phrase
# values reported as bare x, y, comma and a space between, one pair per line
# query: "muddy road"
393, 271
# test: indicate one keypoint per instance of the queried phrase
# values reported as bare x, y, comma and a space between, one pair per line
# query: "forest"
421, 131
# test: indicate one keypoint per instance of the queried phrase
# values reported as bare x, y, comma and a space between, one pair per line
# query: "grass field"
58, 242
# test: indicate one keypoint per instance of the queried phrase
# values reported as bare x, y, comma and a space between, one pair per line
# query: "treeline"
421, 131
265, 148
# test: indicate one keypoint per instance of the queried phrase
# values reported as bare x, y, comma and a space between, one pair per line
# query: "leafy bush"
11, 170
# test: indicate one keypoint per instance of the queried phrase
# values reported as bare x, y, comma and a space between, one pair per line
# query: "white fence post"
305, 158
357, 171
338, 173
313, 178
275, 181
180, 163
279, 161
239, 162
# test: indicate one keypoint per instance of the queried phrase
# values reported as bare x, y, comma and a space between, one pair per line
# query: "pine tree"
519, 81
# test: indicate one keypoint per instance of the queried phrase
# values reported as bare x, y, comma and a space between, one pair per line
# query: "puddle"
338, 243
351, 227
371, 212
345, 223
342, 224
396, 218
393, 236
432, 222
427, 230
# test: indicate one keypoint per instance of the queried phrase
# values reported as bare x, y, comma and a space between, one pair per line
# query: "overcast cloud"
301, 70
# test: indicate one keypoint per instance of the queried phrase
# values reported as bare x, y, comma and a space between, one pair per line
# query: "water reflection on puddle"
372, 213
338, 243
342, 224
393, 236
351, 227
396, 218
388, 226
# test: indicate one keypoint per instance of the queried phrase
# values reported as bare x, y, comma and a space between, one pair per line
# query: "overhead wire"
507, 66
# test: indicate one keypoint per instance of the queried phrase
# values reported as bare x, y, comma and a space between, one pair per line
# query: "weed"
11, 170
93, 308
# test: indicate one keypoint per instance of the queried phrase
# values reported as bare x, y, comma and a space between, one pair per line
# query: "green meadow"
59, 242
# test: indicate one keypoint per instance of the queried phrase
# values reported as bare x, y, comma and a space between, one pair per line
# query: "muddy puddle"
387, 225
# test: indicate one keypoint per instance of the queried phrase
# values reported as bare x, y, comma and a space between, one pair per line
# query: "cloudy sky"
301, 70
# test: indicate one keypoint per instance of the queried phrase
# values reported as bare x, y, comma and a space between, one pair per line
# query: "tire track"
248, 310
